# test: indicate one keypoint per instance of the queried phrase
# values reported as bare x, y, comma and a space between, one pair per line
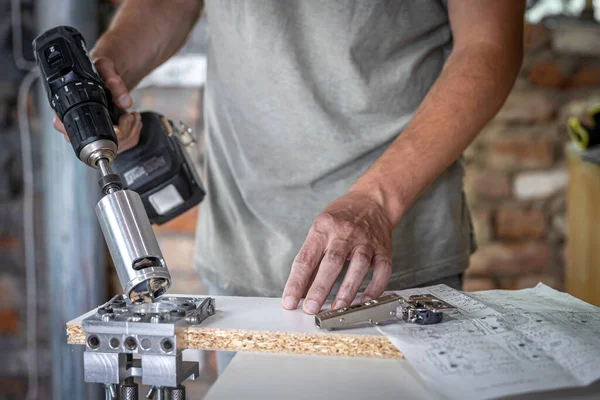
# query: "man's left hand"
353, 228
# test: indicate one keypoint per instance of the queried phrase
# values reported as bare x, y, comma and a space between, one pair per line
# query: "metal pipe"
74, 251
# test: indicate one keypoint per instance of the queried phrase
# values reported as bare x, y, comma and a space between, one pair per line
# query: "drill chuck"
76, 93
140, 265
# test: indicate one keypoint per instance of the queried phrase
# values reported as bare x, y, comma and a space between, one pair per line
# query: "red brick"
10, 293
514, 223
14, 387
8, 242
529, 281
507, 260
528, 107
482, 226
488, 185
477, 284
584, 77
185, 223
535, 35
547, 74
9, 322
514, 153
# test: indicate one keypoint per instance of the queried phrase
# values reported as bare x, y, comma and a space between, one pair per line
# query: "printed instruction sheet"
499, 343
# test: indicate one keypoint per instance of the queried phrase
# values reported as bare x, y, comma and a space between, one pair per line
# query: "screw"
210, 309
192, 319
342, 319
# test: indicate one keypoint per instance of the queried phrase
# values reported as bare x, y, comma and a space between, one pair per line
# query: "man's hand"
483, 65
130, 124
353, 228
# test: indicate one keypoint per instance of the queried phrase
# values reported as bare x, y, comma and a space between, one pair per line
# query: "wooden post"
582, 277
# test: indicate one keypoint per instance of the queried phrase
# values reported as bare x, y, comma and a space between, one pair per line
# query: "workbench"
260, 376
283, 355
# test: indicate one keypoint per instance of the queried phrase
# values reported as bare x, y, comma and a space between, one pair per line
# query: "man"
334, 130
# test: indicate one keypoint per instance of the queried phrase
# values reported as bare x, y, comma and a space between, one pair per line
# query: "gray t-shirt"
302, 96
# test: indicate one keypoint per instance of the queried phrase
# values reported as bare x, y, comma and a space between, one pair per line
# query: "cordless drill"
160, 181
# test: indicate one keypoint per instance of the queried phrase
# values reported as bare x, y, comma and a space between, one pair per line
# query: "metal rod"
110, 392
104, 166
161, 393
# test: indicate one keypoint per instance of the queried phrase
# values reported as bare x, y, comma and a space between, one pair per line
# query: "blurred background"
53, 265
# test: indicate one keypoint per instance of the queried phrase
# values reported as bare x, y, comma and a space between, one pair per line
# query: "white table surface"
253, 376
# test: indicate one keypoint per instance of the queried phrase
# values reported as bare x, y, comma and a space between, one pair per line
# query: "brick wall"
516, 174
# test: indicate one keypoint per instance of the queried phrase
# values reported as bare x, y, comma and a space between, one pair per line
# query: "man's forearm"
144, 34
470, 90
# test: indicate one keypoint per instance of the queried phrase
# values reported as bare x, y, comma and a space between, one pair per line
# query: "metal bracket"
126, 340
422, 309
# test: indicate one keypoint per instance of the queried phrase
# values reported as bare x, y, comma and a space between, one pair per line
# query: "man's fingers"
382, 271
302, 270
114, 83
331, 265
128, 131
58, 125
357, 270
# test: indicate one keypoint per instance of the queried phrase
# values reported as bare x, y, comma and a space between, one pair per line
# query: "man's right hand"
130, 124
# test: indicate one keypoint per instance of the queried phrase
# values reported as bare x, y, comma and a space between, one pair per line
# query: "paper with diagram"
500, 343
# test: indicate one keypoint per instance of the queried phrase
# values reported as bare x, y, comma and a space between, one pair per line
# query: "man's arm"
471, 88
142, 35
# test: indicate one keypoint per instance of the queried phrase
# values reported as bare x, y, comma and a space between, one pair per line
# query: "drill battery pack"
160, 170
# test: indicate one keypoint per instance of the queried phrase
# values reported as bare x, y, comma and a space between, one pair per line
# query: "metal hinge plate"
423, 309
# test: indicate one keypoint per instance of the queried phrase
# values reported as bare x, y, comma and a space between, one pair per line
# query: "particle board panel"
255, 324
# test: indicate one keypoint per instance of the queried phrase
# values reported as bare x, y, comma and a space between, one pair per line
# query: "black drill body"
158, 168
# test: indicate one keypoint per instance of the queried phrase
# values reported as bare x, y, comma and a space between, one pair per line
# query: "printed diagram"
586, 321
527, 349
458, 299
449, 330
526, 321
497, 304
469, 358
